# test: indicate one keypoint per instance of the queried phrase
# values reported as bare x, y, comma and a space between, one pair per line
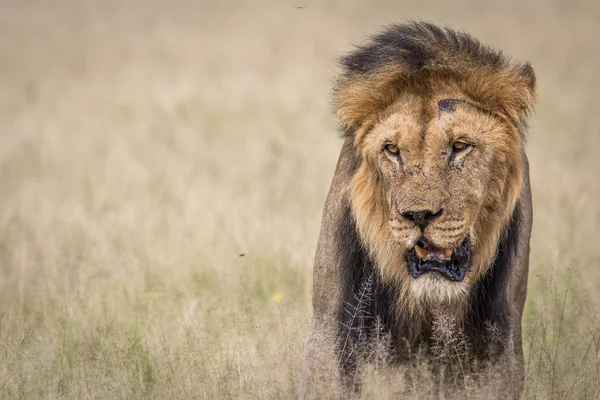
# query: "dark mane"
418, 45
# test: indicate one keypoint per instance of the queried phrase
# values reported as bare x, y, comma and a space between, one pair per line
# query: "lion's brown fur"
391, 91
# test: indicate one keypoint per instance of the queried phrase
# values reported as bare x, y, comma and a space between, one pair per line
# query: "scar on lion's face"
449, 105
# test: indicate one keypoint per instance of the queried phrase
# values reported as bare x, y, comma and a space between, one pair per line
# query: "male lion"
428, 217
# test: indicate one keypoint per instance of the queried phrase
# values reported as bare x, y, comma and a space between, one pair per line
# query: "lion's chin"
452, 265
432, 290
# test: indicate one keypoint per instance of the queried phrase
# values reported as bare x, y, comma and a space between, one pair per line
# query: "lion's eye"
392, 149
459, 146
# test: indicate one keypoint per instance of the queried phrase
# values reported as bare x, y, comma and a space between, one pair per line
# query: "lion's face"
438, 180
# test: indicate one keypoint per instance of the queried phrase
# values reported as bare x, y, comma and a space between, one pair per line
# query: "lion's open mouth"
451, 264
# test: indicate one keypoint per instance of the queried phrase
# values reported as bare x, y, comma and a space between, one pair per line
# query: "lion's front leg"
320, 372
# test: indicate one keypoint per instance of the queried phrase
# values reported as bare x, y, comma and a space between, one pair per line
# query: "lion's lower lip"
452, 265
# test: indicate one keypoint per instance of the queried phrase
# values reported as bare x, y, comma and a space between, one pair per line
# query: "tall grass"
163, 168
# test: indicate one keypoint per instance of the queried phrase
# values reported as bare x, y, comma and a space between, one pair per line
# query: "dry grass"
145, 145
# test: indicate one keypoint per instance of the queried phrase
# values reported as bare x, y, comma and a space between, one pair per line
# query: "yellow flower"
277, 297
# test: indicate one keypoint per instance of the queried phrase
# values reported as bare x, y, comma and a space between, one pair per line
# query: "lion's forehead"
413, 119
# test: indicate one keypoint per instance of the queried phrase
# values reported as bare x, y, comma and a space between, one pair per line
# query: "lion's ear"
526, 71
528, 75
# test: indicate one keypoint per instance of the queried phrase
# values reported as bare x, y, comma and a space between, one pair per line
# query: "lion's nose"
421, 218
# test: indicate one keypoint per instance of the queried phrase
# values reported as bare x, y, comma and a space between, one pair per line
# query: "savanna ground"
146, 145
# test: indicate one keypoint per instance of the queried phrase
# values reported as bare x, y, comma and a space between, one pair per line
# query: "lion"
429, 213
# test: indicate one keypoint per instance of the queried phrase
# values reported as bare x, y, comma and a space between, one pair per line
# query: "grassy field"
163, 168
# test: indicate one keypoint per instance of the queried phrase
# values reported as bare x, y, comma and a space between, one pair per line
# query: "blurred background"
163, 168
